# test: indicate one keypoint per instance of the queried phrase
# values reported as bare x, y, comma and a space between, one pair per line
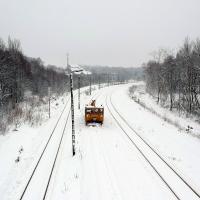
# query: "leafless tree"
177, 77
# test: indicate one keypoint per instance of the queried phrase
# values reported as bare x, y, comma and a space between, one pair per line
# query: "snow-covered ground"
19, 150
106, 165
188, 123
181, 150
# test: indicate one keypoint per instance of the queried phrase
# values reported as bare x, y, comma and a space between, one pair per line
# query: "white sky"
105, 32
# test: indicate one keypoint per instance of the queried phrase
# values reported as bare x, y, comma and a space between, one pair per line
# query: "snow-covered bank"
33, 111
188, 124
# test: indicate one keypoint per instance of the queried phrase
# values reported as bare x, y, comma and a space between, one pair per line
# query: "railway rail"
58, 150
55, 159
23, 194
179, 187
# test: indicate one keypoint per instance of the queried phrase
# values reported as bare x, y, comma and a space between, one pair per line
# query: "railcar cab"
94, 114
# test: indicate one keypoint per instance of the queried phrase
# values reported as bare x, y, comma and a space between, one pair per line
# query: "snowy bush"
3, 127
33, 111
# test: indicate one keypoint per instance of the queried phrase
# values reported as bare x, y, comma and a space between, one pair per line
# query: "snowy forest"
19, 74
22, 77
116, 74
174, 80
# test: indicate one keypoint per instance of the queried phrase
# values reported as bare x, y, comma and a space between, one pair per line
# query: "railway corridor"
107, 164
111, 168
126, 158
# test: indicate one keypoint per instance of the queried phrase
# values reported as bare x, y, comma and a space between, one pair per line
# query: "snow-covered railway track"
179, 187
96, 170
56, 157
31, 188
47, 155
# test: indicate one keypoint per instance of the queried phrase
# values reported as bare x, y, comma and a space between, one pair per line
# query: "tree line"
176, 78
109, 75
19, 74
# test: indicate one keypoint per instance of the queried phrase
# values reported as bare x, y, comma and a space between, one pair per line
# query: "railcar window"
95, 110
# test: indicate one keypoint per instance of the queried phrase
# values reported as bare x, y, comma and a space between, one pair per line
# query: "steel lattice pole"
90, 84
72, 114
99, 82
79, 93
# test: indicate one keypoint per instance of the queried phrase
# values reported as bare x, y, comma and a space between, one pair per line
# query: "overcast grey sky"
105, 32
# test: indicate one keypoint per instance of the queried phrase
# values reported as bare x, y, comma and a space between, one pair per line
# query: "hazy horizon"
113, 33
